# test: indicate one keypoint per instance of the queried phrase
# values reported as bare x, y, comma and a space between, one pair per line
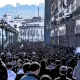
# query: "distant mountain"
25, 11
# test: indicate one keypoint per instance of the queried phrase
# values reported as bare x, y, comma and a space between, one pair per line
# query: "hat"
63, 68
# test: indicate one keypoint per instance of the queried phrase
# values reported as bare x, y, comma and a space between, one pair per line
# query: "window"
0, 34
53, 7
21, 33
74, 6
78, 3
24, 33
36, 32
33, 32
41, 33
77, 28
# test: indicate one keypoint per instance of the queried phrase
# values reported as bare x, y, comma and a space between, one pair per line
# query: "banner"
77, 52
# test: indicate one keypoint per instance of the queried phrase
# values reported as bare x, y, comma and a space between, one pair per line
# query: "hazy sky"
22, 2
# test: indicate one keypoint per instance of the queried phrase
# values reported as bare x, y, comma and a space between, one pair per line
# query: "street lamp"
28, 35
2, 22
6, 31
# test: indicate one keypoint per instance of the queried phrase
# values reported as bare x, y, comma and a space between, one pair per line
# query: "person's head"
78, 61
30, 59
52, 60
58, 63
69, 71
9, 65
26, 60
19, 63
63, 60
35, 68
45, 77
49, 61
26, 67
63, 70
14, 59
43, 64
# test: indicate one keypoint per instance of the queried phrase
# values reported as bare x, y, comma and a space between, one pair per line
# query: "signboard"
62, 30
77, 52
77, 27
52, 33
0, 25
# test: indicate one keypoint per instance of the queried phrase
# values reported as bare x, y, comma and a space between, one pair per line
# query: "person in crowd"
3, 71
26, 60
18, 68
45, 77
26, 69
3, 57
44, 69
14, 61
71, 62
34, 71
8, 55
52, 65
63, 71
51, 58
76, 72
70, 73
55, 72
20, 72
63, 61
11, 74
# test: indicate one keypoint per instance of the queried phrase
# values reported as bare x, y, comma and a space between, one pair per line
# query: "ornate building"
32, 30
65, 23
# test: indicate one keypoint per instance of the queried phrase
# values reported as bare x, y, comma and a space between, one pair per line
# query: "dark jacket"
62, 78
19, 76
3, 71
30, 77
55, 72
44, 71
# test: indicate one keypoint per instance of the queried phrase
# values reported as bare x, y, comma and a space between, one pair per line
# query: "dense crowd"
39, 62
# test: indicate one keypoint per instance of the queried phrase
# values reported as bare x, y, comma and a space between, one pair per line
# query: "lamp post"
28, 35
2, 37
3, 26
12, 31
6, 35
9, 33
6, 31
38, 37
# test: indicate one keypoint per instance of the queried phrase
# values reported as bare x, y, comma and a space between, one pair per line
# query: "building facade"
47, 22
65, 23
8, 34
32, 30
14, 23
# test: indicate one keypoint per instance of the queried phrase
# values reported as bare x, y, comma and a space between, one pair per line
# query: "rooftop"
18, 17
5, 15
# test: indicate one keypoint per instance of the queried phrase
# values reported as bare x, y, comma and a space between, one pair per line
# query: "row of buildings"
8, 34
63, 22
29, 30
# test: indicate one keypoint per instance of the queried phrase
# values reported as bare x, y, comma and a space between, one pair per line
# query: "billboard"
62, 30
77, 27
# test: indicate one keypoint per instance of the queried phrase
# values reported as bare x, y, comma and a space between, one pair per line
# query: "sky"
22, 2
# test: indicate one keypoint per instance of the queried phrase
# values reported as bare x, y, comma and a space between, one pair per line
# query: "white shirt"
20, 71
11, 75
51, 66
76, 72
